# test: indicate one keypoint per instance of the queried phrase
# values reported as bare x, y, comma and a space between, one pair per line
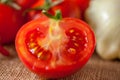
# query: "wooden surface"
11, 68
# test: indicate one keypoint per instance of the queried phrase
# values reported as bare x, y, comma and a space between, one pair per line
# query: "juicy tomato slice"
68, 9
55, 48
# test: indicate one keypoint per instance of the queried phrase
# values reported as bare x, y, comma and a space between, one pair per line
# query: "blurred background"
102, 15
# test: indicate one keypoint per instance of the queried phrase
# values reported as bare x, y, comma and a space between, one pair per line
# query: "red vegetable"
55, 48
10, 22
67, 7
25, 3
83, 4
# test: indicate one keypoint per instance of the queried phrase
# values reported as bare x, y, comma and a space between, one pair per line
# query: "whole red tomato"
10, 22
67, 7
55, 48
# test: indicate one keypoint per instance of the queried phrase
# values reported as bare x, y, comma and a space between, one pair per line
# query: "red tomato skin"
83, 5
68, 9
10, 22
59, 71
25, 3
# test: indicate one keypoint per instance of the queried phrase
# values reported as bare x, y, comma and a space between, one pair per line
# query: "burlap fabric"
11, 68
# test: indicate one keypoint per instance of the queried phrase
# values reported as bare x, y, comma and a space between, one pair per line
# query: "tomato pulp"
55, 48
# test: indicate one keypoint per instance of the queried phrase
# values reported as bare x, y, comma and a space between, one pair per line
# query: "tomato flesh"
76, 43
34, 48
55, 48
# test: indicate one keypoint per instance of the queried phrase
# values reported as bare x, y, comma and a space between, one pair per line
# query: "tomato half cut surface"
55, 48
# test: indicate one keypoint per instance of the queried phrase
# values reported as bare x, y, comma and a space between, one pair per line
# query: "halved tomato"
55, 48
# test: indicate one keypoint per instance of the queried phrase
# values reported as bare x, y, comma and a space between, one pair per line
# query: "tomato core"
70, 46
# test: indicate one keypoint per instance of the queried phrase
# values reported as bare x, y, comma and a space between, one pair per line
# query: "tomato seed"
76, 44
44, 55
72, 51
71, 31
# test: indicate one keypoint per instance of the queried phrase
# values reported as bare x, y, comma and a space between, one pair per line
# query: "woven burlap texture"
11, 68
